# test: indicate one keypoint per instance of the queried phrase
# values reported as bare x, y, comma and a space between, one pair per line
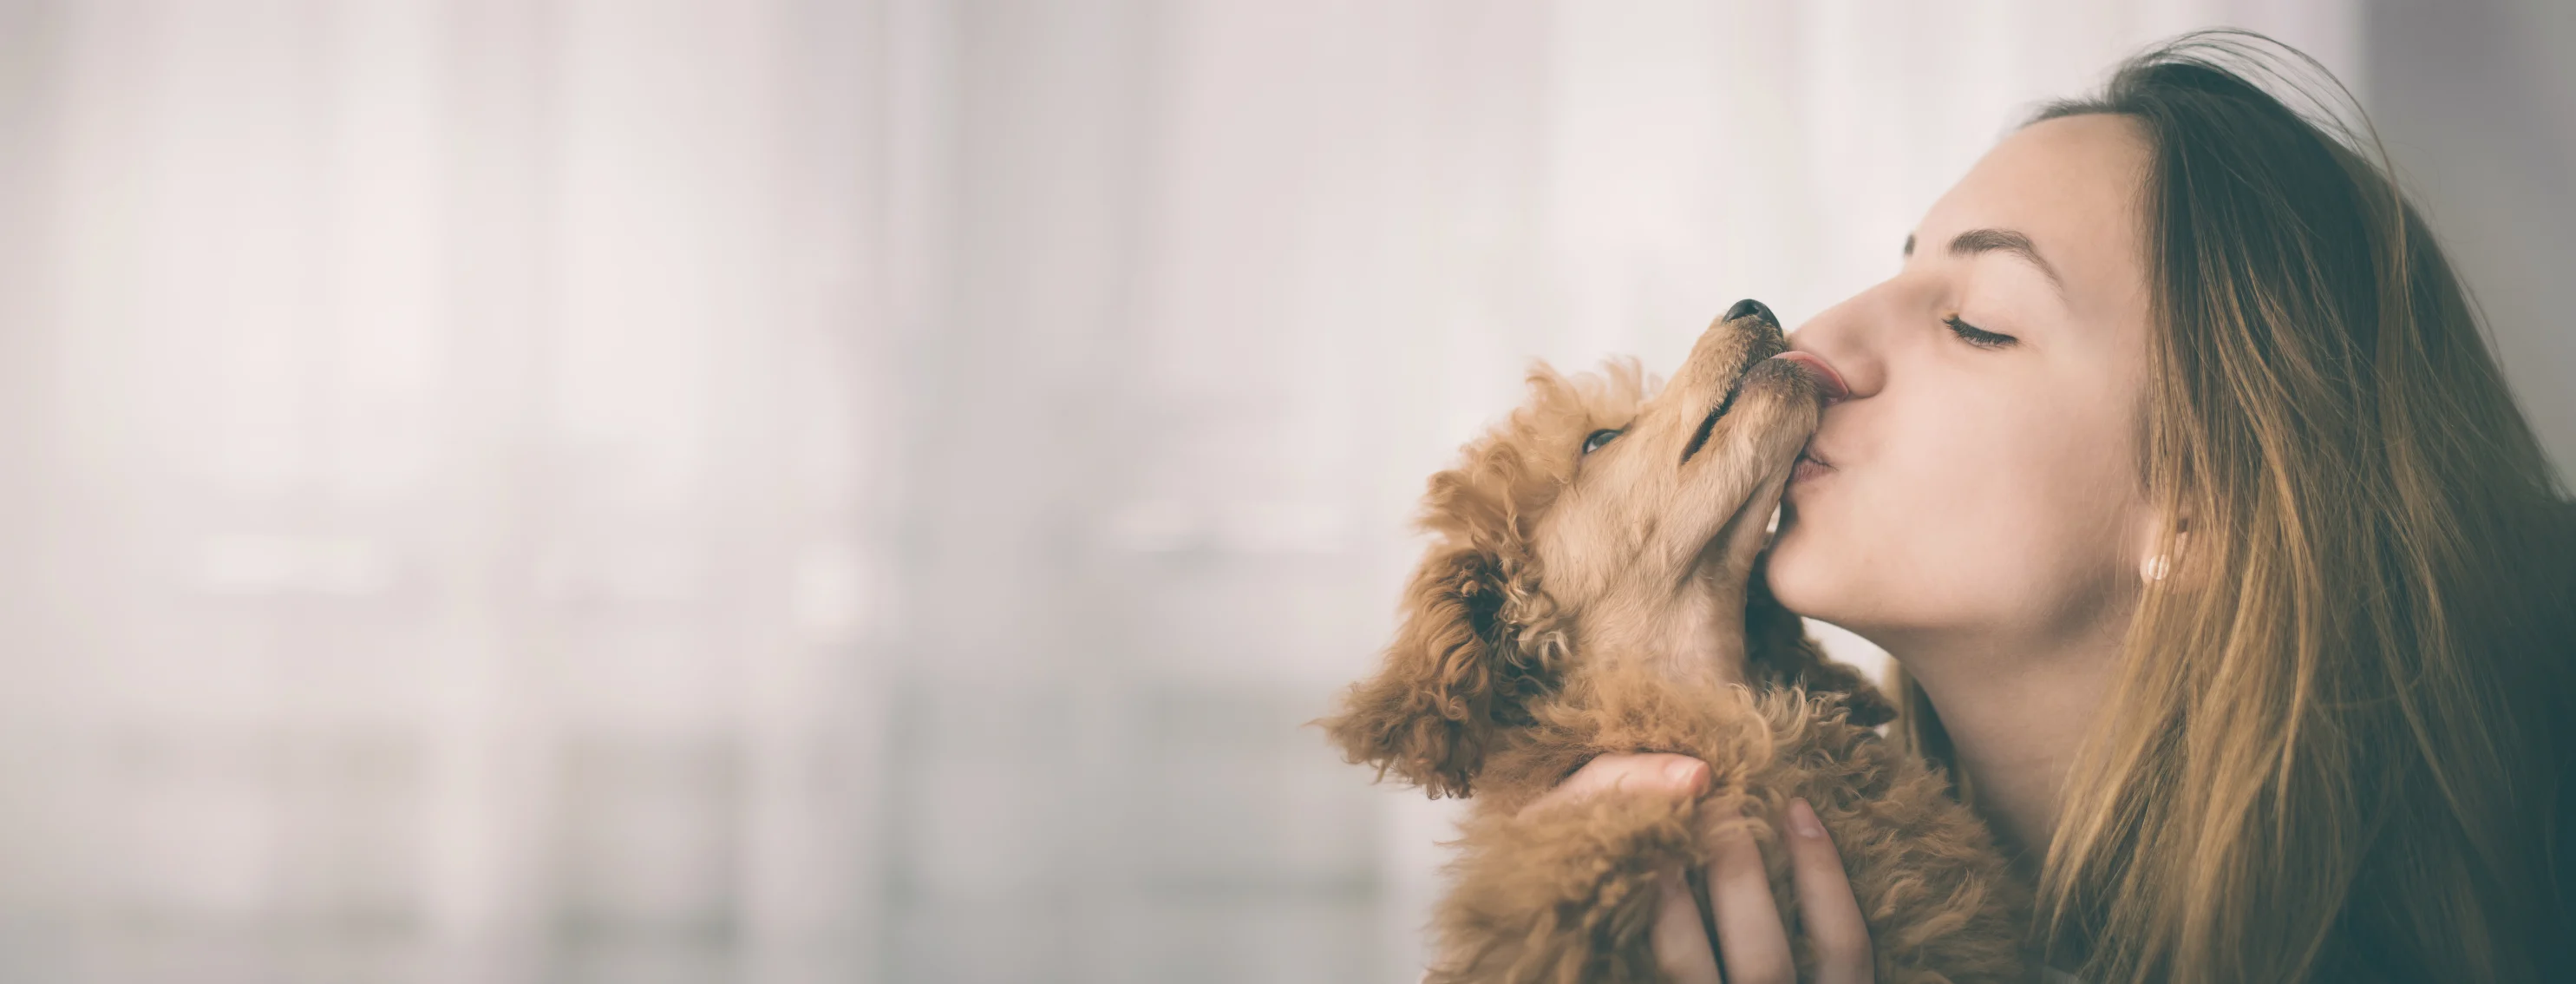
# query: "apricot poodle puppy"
1589, 590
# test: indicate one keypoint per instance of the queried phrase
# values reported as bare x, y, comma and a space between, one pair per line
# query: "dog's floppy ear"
1456, 673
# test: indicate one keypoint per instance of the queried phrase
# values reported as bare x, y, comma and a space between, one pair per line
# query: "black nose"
1750, 306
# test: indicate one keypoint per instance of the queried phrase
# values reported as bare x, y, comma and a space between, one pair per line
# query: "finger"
1751, 943
1642, 771
1681, 946
1825, 903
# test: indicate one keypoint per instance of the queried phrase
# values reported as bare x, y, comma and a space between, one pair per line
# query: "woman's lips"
1811, 466
1822, 372
1808, 470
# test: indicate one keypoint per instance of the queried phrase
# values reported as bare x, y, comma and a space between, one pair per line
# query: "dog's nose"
1750, 306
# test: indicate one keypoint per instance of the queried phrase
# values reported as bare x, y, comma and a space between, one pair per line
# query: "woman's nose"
1838, 342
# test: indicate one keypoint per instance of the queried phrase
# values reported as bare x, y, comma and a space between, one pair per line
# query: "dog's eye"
1598, 438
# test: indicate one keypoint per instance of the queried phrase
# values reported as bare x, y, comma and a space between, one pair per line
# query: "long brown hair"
2333, 749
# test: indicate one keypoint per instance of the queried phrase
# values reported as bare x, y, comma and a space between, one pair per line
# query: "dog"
1591, 579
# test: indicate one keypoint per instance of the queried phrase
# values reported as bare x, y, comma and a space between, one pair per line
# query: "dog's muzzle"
1767, 342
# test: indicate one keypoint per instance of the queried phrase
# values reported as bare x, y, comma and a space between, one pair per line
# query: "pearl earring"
2154, 568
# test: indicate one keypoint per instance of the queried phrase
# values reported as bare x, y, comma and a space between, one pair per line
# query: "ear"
2161, 544
1454, 677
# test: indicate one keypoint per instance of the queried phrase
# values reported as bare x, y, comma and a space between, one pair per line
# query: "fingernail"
1802, 819
1690, 774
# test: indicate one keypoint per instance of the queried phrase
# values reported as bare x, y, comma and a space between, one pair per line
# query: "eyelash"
1976, 336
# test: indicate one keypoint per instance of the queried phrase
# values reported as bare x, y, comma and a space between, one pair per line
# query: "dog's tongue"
1820, 371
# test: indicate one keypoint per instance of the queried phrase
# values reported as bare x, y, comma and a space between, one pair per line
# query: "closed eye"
1976, 336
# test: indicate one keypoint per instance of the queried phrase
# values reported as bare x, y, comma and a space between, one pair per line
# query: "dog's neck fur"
1689, 630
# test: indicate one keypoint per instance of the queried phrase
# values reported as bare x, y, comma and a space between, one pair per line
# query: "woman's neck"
2014, 722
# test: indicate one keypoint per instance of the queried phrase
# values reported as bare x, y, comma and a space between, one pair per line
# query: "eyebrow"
1975, 241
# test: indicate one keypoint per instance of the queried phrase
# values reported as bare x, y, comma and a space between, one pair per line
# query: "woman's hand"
1749, 932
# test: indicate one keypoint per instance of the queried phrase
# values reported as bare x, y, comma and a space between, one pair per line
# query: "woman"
2220, 568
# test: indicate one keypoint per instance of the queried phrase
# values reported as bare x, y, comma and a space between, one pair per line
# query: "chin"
1803, 578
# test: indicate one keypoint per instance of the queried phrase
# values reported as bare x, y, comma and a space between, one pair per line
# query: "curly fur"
1538, 633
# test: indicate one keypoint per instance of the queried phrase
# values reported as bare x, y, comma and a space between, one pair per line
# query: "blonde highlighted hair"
2334, 748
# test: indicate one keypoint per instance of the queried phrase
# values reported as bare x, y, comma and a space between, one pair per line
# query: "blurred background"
869, 491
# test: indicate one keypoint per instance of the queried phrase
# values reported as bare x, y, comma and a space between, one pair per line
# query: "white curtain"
779, 490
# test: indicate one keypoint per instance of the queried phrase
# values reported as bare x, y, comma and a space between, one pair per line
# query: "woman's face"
1979, 482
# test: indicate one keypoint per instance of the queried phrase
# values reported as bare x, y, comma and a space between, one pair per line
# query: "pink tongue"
1819, 370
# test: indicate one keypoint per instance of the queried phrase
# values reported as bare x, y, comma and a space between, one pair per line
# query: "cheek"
1959, 509
1581, 538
